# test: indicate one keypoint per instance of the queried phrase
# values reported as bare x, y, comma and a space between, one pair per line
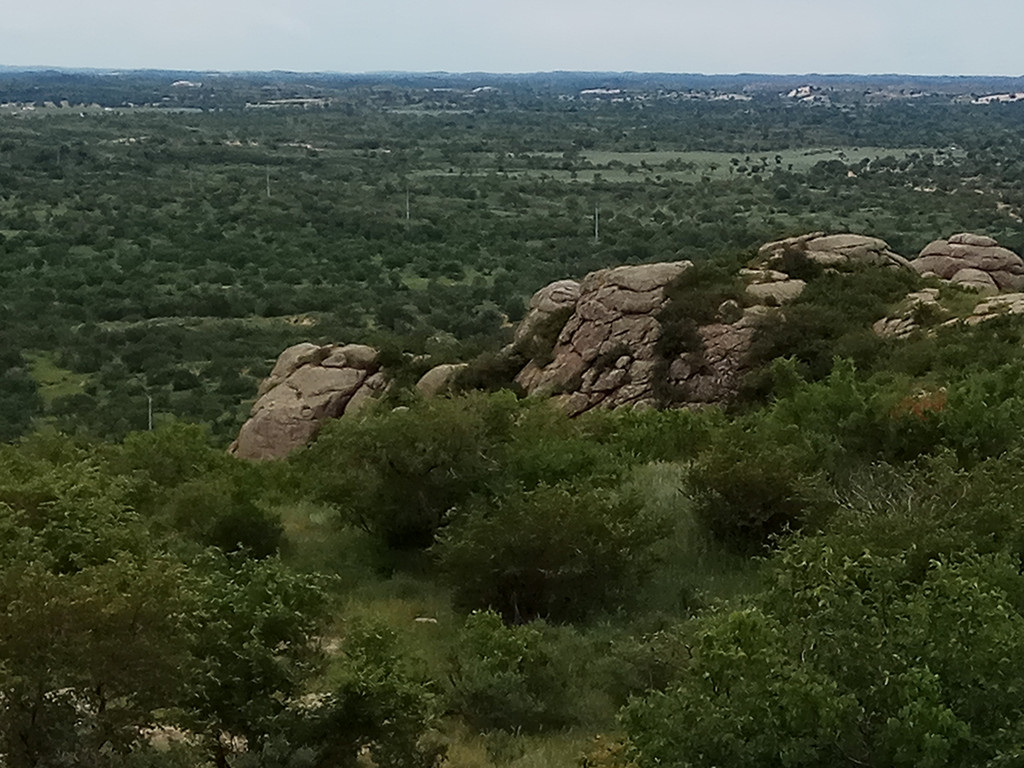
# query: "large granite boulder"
842, 251
439, 379
973, 261
308, 384
550, 301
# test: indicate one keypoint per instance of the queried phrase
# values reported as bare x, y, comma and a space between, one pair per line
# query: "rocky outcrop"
997, 306
908, 314
842, 251
769, 286
973, 261
621, 337
548, 303
604, 354
607, 355
308, 384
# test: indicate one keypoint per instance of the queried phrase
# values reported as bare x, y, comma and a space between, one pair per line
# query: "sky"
923, 37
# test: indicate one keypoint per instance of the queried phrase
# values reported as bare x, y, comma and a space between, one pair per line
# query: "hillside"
609, 434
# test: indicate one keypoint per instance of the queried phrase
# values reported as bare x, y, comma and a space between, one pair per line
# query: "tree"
93, 639
254, 646
397, 475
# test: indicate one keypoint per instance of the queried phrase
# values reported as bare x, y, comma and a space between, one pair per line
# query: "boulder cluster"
973, 261
595, 343
768, 279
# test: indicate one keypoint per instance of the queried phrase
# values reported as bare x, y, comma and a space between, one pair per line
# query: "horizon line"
492, 73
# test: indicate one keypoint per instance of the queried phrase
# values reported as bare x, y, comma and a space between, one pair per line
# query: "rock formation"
601, 342
970, 261
973, 261
547, 304
606, 353
843, 251
439, 379
308, 384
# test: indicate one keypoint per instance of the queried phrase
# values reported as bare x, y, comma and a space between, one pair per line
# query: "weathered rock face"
308, 384
837, 251
605, 351
973, 261
546, 303
997, 306
606, 354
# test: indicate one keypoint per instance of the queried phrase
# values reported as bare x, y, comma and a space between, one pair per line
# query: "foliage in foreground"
849, 661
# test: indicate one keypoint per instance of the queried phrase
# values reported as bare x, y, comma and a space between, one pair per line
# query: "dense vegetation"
829, 572
144, 223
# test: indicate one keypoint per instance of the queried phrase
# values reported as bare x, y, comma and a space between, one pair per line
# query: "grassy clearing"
694, 570
54, 382
619, 167
499, 749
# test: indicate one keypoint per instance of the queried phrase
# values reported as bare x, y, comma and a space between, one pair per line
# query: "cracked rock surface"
308, 385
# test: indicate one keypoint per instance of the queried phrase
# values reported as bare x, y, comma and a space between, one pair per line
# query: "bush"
216, 511
509, 677
397, 474
844, 660
376, 707
751, 486
556, 552
539, 345
830, 319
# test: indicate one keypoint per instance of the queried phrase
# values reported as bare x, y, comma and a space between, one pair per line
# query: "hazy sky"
711, 36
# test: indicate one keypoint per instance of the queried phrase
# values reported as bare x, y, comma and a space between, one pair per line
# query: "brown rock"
964, 256
943, 266
290, 360
936, 248
315, 381
836, 251
779, 292
549, 300
989, 259
368, 394
642, 278
357, 356
1007, 281
439, 379
967, 238
556, 296
977, 279
308, 385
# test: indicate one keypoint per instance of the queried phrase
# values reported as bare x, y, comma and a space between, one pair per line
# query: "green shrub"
539, 346
752, 486
844, 660
491, 371
214, 510
832, 318
510, 677
397, 474
375, 706
558, 552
